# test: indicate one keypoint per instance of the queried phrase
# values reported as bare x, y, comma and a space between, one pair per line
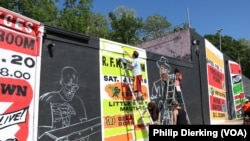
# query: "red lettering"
23, 24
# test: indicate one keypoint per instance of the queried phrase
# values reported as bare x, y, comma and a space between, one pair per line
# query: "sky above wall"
205, 16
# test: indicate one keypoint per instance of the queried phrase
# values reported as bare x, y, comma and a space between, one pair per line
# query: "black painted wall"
75, 116
194, 83
80, 55
200, 69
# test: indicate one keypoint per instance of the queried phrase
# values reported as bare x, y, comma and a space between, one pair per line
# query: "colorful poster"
120, 117
216, 84
237, 87
20, 44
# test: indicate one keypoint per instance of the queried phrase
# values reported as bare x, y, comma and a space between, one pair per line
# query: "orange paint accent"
122, 137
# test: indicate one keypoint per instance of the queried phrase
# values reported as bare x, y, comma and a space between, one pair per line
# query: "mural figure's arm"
155, 92
83, 113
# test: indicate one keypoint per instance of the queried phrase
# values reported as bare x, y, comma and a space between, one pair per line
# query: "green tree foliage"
155, 26
98, 26
181, 27
244, 56
124, 26
75, 15
40, 10
120, 10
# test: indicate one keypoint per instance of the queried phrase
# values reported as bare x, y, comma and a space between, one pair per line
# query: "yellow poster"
120, 117
216, 84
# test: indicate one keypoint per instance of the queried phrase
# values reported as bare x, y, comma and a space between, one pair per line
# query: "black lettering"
118, 63
29, 44
111, 61
1, 119
21, 90
2, 35
10, 89
104, 61
18, 40
105, 78
126, 108
110, 105
9, 38
110, 78
12, 117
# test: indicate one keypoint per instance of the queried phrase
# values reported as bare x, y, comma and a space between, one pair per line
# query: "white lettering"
232, 132
166, 132
19, 23
29, 26
155, 131
6, 20
199, 133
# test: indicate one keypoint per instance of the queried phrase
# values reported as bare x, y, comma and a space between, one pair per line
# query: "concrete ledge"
233, 122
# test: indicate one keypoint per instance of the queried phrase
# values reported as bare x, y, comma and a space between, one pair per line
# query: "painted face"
163, 72
69, 82
70, 89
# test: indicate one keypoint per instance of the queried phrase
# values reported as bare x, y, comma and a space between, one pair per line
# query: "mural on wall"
159, 90
159, 86
216, 84
166, 89
237, 87
69, 101
121, 120
63, 108
20, 46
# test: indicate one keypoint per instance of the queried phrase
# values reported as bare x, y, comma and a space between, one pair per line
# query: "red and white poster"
237, 87
20, 48
216, 84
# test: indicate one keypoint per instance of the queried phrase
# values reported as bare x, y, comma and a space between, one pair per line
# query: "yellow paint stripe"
211, 56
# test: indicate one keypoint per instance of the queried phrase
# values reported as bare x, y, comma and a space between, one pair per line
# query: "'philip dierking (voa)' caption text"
222, 133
